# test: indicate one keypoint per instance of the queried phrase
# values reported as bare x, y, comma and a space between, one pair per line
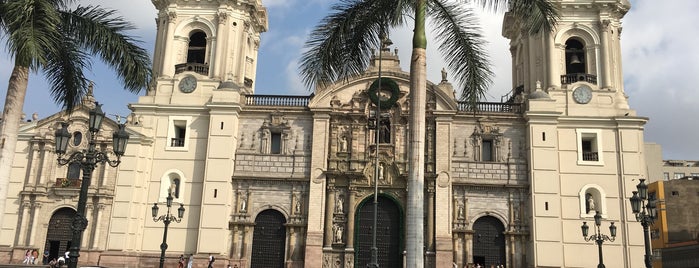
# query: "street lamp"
598, 237
167, 218
385, 42
645, 210
87, 159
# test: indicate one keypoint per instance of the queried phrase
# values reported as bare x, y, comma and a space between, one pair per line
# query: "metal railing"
590, 156
578, 77
490, 107
177, 142
200, 68
277, 100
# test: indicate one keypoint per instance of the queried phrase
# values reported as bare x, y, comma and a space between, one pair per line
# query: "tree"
341, 45
49, 36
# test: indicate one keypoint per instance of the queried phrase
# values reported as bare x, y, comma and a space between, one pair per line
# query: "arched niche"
592, 198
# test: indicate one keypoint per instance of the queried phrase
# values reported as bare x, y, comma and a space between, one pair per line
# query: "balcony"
578, 77
67, 183
200, 68
590, 156
277, 100
177, 142
490, 107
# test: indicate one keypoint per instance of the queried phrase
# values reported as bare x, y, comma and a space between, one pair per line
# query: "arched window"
196, 51
575, 57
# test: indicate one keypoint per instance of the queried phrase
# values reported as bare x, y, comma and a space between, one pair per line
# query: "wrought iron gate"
389, 233
268, 240
59, 234
488, 242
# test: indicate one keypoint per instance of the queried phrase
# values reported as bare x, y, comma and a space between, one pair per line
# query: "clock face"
188, 84
582, 94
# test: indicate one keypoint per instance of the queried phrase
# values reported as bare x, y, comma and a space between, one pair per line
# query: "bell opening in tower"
196, 52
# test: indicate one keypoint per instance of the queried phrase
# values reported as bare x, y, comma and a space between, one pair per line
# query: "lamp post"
644, 208
385, 42
598, 237
167, 218
88, 159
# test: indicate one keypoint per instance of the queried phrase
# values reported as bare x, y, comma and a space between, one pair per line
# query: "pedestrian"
211, 261
181, 262
191, 261
61, 261
45, 260
27, 255
35, 256
53, 263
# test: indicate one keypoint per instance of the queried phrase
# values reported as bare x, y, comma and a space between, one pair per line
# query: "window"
196, 51
675, 193
589, 147
666, 176
679, 175
487, 154
77, 138
276, 143
178, 132
73, 171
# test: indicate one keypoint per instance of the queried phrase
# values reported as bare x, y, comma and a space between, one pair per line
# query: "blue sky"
658, 46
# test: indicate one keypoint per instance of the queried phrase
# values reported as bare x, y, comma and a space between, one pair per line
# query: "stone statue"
381, 177
385, 136
590, 203
460, 212
444, 74
243, 203
338, 230
339, 204
343, 143
298, 204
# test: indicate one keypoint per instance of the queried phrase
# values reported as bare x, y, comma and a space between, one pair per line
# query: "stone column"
468, 245
554, 70
98, 223
604, 55
35, 165
351, 211
168, 64
329, 209
220, 51
90, 226
48, 164
24, 227
35, 222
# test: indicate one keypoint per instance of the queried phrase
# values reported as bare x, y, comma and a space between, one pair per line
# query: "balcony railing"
67, 183
277, 100
177, 142
490, 107
578, 77
200, 68
590, 156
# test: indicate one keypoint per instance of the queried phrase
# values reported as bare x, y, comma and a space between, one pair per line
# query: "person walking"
27, 255
180, 264
191, 261
45, 259
211, 261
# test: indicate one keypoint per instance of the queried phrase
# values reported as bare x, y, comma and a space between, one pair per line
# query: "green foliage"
46, 35
340, 46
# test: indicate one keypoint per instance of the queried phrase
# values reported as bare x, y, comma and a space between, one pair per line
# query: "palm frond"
341, 45
462, 46
32, 30
535, 15
104, 34
64, 70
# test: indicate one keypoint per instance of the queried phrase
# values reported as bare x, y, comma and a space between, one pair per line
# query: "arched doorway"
59, 234
389, 234
488, 242
268, 240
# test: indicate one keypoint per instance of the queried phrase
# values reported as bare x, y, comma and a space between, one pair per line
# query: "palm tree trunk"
11, 116
415, 235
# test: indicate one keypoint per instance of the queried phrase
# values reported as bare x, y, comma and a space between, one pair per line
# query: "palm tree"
341, 46
48, 36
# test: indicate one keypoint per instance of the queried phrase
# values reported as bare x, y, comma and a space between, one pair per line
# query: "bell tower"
583, 51
211, 41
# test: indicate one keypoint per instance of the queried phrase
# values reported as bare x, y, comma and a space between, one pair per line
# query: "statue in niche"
460, 211
298, 204
337, 232
385, 131
590, 203
381, 172
343, 143
339, 204
243, 203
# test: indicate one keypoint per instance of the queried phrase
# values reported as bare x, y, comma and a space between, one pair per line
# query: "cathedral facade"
306, 181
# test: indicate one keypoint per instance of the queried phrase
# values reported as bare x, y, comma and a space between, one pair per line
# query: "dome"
539, 94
